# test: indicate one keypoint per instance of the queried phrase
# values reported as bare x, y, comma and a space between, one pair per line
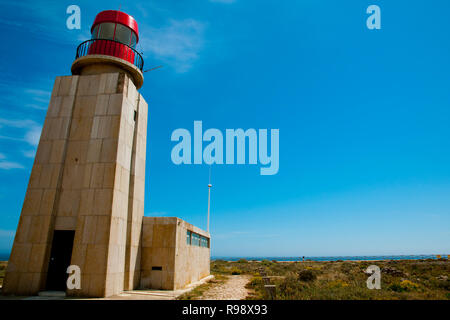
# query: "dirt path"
232, 289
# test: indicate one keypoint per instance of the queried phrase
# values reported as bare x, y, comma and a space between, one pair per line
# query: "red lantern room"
116, 25
114, 34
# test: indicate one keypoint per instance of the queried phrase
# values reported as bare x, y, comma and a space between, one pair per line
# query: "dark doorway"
60, 256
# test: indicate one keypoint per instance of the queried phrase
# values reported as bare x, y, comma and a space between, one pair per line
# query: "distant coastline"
5, 257
336, 258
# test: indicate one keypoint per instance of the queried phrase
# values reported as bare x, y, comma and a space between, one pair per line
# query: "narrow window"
188, 237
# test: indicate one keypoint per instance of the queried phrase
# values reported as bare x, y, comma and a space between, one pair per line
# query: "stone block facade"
88, 179
88, 176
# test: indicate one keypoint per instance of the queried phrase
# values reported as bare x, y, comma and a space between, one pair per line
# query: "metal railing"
110, 48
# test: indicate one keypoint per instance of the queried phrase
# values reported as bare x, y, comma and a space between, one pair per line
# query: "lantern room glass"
115, 31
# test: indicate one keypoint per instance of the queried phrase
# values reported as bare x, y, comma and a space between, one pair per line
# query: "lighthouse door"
60, 256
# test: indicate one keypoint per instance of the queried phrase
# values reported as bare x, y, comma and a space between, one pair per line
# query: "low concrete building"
174, 253
84, 205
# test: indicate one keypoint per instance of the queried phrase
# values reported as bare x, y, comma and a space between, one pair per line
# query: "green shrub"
235, 271
266, 262
396, 287
219, 261
242, 261
255, 281
306, 276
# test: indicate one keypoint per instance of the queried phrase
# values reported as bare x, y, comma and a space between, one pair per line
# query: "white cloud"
178, 44
35, 106
15, 92
17, 123
32, 134
29, 153
37, 92
8, 165
39, 95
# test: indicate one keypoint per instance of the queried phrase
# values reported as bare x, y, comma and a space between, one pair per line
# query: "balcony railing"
110, 48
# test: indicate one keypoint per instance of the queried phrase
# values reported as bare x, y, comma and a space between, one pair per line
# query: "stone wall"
192, 263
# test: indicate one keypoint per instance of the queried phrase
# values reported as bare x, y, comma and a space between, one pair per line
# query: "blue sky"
363, 117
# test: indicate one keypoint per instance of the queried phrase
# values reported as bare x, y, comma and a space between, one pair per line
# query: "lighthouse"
85, 198
82, 230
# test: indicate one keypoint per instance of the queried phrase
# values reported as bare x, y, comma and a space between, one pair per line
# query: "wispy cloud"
15, 91
7, 233
29, 153
32, 136
39, 95
177, 44
35, 106
46, 22
17, 123
7, 165
32, 133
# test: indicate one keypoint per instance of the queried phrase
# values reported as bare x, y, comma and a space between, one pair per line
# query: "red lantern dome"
114, 35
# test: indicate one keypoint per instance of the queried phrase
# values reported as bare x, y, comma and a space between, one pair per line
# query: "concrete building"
84, 204
174, 253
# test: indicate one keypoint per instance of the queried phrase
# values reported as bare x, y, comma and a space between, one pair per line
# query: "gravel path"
232, 289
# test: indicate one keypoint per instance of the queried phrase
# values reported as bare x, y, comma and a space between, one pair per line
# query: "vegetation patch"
337, 280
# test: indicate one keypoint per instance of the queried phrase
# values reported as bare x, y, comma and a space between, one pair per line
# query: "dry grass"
400, 280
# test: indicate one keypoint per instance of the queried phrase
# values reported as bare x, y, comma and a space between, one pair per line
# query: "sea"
5, 257
336, 258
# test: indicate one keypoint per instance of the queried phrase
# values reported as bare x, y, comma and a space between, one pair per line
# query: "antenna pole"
209, 198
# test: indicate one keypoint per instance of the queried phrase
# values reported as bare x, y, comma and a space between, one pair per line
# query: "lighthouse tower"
85, 199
